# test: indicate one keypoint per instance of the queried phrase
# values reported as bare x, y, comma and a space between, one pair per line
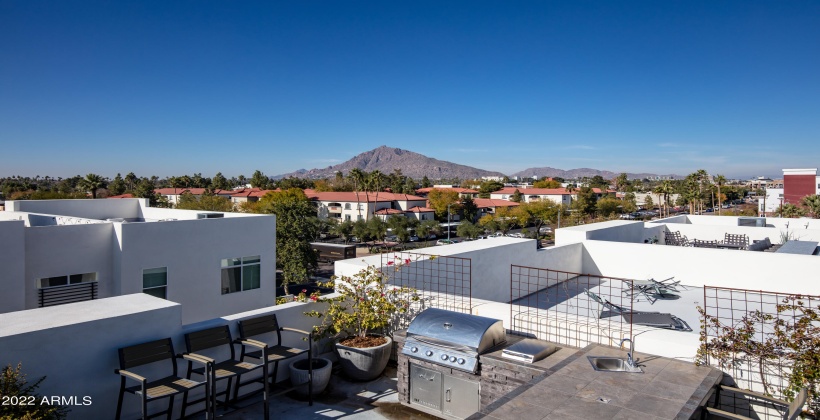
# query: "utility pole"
448, 222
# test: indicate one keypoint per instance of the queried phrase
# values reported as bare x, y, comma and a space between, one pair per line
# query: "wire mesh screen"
440, 282
569, 308
759, 339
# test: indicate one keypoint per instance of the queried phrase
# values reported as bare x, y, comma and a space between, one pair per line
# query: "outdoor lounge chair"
167, 387
675, 239
792, 412
227, 369
653, 289
273, 353
649, 319
741, 241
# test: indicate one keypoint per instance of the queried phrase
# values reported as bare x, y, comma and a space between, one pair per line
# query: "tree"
812, 204
295, 229
441, 198
621, 182
546, 183
131, 181
91, 183
598, 181
720, 181
358, 177
344, 229
210, 202
425, 182
647, 202
517, 197
377, 228
469, 210
585, 201
468, 230
427, 228
399, 224
790, 211
376, 181
488, 187
360, 230
538, 213
117, 186
503, 220
630, 203
220, 182
259, 180
14, 387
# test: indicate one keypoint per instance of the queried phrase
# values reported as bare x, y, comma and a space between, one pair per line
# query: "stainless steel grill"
452, 339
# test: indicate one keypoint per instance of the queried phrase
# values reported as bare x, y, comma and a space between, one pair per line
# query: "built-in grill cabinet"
452, 396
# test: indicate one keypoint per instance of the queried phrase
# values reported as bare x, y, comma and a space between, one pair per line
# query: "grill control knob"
452, 358
461, 361
414, 349
428, 353
444, 357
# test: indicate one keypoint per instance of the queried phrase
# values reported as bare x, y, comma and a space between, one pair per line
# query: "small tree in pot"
361, 317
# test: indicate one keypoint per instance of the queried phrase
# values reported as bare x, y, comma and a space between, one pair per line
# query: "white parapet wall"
75, 347
613, 230
12, 266
490, 261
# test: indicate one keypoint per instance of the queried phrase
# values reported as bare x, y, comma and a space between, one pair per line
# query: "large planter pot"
321, 374
364, 364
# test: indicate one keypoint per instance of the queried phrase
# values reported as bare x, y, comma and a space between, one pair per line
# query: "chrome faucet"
629, 356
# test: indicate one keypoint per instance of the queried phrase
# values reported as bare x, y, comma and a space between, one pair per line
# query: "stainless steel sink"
612, 364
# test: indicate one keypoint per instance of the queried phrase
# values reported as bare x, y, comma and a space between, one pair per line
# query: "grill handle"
447, 395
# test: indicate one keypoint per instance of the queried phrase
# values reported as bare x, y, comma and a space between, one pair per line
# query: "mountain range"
386, 159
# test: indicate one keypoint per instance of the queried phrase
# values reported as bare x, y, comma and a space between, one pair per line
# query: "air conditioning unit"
210, 215
751, 221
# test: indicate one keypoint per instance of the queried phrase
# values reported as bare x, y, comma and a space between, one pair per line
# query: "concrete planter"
321, 374
364, 364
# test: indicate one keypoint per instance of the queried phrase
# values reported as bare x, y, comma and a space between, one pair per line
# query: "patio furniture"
219, 337
697, 243
793, 409
676, 239
267, 324
649, 319
653, 289
167, 387
760, 245
737, 241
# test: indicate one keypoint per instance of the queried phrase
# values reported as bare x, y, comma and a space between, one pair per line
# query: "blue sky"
166, 88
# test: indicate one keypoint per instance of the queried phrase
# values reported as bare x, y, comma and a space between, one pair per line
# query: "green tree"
607, 206
469, 210
538, 213
377, 228
117, 186
441, 198
360, 230
220, 182
598, 181
790, 211
720, 181
546, 183
358, 177
630, 203
399, 224
295, 228
210, 202
621, 182
91, 183
812, 204
516, 197
468, 230
427, 228
425, 182
647, 202
260, 180
145, 189
488, 187
344, 229
585, 201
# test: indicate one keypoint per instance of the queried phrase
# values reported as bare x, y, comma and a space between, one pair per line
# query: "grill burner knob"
452, 358
429, 353
461, 361
414, 349
444, 357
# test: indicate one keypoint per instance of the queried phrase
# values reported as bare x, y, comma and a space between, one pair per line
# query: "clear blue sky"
174, 87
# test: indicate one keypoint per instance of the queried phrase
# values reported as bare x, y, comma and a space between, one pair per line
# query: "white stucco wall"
773, 272
192, 250
92, 209
75, 346
69, 249
490, 261
12, 266
614, 230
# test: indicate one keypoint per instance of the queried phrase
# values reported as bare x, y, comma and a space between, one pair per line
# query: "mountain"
580, 173
386, 159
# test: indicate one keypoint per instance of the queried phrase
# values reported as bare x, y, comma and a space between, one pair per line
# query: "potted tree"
360, 319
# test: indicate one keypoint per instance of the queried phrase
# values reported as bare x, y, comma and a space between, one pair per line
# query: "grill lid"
456, 330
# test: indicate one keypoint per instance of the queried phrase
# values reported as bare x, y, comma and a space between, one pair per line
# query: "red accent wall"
795, 187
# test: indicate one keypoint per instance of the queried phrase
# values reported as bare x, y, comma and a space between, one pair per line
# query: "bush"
13, 383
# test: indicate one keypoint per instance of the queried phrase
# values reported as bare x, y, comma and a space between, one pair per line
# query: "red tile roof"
456, 189
418, 209
532, 191
388, 211
365, 197
489, 202
194, 191
126, 195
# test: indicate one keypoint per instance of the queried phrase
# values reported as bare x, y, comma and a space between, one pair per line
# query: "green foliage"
469, 210
468, 230
399, 226
648, 203
259, 180
145, 189
342, 229
427, 228
488, 187
585, 201
812, 204
92, 183
361, 231
425, 182
785, 344
504, 219
366, 304
13, 383
607, 206
598, 181
220, 182
441, 198
790, 211
377, 228
517, 197
210, 202
538, 213
295, 228
546, 183
630, 203
117, 186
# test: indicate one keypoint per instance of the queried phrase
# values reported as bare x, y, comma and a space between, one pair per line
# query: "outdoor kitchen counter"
570, 388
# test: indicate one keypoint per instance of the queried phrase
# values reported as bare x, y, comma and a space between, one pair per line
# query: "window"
347, 206
239, 274
155, 282
347, 217
66, 280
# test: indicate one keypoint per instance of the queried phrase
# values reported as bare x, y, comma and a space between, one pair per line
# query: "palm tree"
702, 178
720, 181
357, 175
375, 180
92, 183
812, 203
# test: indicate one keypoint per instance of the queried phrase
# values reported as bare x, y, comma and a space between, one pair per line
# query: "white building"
557, 195
213, 264
352, 206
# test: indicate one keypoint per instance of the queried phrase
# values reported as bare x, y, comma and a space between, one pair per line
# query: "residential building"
796, 184
173, 194
462, 192
212, 263
490, 206
354, 206
558, 195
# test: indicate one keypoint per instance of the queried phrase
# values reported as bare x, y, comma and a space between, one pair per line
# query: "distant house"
490, 206
462, 192
173, 194
354, 206
558, 195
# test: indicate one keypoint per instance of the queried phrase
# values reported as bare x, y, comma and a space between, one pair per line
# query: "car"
392, 238
482, 237
545, 229
497, 235
414, 238
446, 241
517, 235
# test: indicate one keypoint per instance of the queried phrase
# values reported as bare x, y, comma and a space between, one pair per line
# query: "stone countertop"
572, 389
